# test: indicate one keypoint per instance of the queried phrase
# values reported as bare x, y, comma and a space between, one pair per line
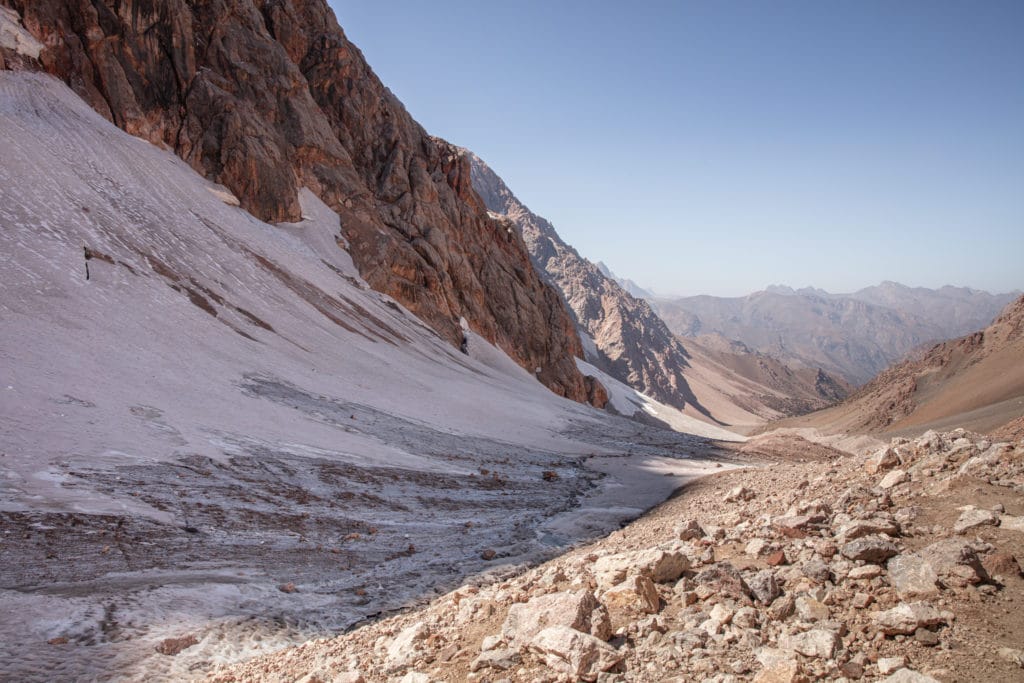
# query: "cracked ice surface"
224, 407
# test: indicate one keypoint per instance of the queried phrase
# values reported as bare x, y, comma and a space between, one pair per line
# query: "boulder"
723, 580
635, 594
576, 610
689, 530
405, 647
881, 461
578, 655
872, 549
867, 527
894, 478
947, 563
973, 518
764, 587
907, 617
657, 564
817, 643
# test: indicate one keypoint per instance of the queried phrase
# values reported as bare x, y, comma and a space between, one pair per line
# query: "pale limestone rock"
894, 478
907, 617
888, 665
405, 647
974, 518
635, 594
578, 610
579, 655
817, 643
882, 460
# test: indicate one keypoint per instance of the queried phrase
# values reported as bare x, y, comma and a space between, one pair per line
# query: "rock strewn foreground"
901, 567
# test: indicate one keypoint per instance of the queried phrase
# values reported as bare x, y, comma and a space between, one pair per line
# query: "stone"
576, 654
756, 547
740, 493
415, 677
635, 594
778, 666
794, 526
949, 562
1011, 523
912, 576
852, 670
501, 659
867, 571
747, 617
578, 610
723, 580
689, 530
816, 643
907, 617
862, 600
817, 570
777, 558
867, 527
1012, 655
764, 587
405, 647
974, 518
786, 671
1004, 565
881, 461
809, 609
492, 642
873, 549
657, 564
782, 608
894, 478
926, 637
888, 665
908, 676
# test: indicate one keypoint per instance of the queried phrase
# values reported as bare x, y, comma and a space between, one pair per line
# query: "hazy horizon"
715, 148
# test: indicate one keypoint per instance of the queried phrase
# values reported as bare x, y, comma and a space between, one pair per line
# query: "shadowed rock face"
268, 96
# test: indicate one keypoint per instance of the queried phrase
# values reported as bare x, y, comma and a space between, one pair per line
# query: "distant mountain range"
975, 381
710, 379
854, 335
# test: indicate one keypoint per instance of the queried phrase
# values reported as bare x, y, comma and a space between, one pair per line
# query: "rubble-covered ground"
901, 566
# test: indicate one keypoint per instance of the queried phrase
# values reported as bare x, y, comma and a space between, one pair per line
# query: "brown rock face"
268, 96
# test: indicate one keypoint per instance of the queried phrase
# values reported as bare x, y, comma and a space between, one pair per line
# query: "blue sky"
718, 147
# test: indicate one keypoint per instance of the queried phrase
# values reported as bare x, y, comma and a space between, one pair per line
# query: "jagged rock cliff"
633, 344
269, 96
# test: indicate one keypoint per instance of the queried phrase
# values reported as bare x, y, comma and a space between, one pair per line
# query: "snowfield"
223, 433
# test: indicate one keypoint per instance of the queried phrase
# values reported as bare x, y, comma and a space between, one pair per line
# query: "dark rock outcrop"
268, 96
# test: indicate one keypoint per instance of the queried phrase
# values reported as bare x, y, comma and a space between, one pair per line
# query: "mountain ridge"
267, 97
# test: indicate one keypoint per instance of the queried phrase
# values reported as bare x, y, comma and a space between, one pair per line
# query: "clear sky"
718, 147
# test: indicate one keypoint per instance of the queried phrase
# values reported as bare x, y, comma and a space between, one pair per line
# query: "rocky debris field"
900, 566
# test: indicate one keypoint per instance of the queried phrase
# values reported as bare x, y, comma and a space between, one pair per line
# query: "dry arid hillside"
975, 381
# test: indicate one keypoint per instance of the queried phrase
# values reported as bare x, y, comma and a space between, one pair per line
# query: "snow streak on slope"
224, 407
628, 401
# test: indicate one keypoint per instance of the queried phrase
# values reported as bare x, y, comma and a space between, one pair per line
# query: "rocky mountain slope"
976, 381
632, 344
217, 439
902, 567
855, 336
268, 96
